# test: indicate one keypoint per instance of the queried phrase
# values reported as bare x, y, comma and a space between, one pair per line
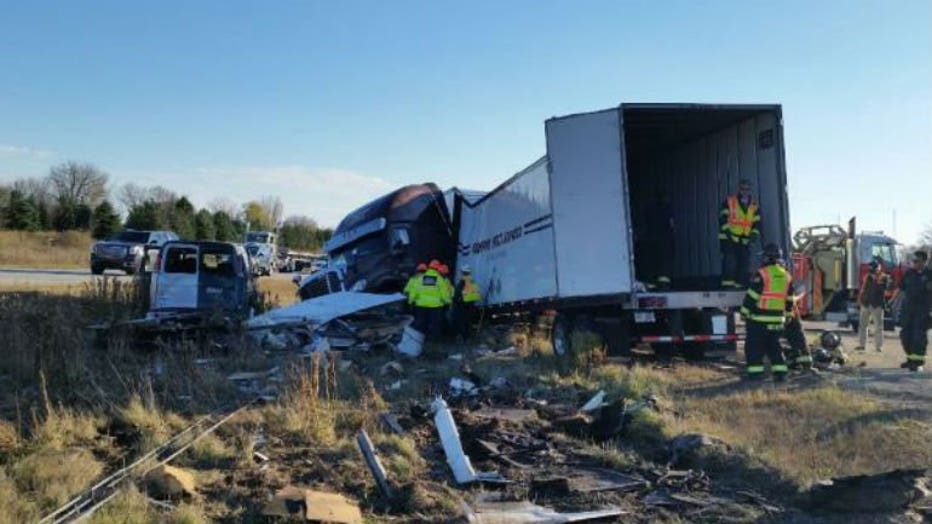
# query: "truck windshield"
885, 252
261, 238
133, 237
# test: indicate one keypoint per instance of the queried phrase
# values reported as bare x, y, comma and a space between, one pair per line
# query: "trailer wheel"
561, 335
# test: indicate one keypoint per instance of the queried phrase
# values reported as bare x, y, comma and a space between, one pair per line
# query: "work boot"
906, 365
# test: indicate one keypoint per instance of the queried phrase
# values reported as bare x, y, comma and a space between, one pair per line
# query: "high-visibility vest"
470, 290
411, 285
740, 221
431, 291
771, 304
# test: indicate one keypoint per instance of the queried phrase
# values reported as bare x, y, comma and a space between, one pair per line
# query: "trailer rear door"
588, 193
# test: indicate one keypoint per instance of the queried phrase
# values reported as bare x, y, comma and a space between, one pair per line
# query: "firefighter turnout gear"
801, 357
766, 307
740, 223
916, 286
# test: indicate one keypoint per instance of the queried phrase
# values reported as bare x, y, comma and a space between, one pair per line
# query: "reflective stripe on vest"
776, 289
470, 290
740, 222
430, 290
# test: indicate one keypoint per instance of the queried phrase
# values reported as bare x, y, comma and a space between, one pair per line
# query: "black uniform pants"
463, 315
429, 320
763, 340
914, 335
735, 259
793, 331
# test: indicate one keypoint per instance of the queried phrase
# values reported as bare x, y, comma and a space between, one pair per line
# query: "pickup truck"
126, 250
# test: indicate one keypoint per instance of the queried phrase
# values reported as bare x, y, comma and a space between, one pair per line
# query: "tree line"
77, 196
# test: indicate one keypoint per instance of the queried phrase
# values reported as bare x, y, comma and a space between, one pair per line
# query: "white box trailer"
561, 234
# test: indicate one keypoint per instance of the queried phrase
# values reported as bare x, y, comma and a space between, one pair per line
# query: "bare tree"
36, 188
131, 195
78, 182
925, 239
225, 205
274, 208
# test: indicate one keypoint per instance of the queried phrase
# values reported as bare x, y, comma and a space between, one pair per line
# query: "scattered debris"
315, 506
390, 422
372, 460
591, 480
259, 457
453, 448
594, 403
393, 367
461, 387
169, 482
456, 356
412, 342
525, 512
510, 414
499, 383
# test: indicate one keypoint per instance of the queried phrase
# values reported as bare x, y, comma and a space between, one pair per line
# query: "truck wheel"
561, 335
97, 270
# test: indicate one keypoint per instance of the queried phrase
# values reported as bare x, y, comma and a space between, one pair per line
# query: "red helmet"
444, 270
421, 267
435, 264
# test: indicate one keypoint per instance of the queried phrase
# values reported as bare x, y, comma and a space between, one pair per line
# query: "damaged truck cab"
379, 245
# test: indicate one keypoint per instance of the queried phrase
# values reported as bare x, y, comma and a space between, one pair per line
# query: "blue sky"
328, 104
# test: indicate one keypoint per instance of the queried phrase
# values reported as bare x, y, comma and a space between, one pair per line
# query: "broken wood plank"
372, 460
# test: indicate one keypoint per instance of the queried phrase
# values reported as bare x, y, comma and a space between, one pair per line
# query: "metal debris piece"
372, 460
594, 403
260, 457
462, 468
389, 421
315, 506
525, 512
591, 480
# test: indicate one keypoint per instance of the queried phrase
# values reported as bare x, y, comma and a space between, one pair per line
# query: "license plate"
644, 317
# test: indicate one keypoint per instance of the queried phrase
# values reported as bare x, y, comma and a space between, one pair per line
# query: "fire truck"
829, 264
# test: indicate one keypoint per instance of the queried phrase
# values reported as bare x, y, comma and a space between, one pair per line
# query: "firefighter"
793, 331
412, 282
429, 297
765, 309
465, 298
916, 286
740, 224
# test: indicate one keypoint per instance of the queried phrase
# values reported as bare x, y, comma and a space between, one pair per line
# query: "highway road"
18, 276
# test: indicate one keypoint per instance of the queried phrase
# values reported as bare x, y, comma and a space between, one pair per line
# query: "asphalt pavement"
14, 276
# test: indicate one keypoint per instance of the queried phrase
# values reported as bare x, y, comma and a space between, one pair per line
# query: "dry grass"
45, 249
52, 477
278, 290
132, 507
37, 287
809, 434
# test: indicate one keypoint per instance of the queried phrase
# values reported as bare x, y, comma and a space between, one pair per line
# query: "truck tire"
97, 270
561, 335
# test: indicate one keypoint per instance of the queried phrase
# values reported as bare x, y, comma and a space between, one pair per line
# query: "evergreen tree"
20, 213
223, 227
204, 225
106, 221
146, 216
182, 219
43, 216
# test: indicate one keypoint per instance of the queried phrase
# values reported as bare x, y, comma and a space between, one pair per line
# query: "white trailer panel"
590, 204
507, 239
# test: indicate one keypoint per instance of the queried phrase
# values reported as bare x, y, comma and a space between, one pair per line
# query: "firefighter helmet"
772, 253
829, 340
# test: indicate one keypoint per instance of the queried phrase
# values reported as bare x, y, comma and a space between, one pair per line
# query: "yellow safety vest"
470, 290
740, 221
411, 285
771, 304
431, 291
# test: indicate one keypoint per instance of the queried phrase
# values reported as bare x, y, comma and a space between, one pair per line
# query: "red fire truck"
829, 264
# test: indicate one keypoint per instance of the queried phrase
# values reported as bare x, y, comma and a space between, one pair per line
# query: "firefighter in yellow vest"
465, 300
765, 309
411, 285
740, 225
429, 297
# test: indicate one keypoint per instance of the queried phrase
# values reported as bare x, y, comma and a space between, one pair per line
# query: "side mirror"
153, 242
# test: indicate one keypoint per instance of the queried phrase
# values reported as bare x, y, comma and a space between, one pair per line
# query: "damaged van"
194, 278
